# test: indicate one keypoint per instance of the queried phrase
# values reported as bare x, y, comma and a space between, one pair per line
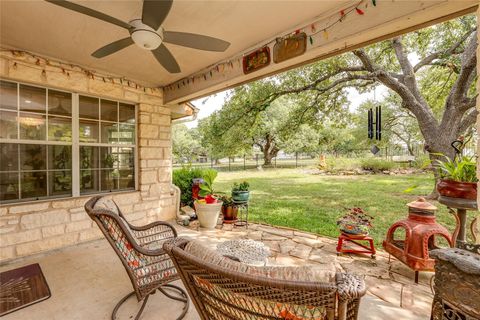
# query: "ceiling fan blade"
166, 59
196, 41
112, 47
155, 11
90, 12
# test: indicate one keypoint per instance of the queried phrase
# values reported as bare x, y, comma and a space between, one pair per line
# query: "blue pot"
240, 195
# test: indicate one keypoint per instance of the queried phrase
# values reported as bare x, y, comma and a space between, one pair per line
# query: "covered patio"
110, 120
86, 280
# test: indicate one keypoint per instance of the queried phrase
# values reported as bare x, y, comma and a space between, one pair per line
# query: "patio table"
245, 250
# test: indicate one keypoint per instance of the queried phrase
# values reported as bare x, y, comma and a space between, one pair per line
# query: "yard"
296, 199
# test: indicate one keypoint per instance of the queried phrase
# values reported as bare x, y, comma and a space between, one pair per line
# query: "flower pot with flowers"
208, 209
355, 222
229, 210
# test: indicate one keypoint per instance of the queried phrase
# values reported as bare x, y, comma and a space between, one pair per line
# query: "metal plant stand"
459, 237
242, 213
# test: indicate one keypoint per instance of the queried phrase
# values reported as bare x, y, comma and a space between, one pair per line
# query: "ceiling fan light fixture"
144, 36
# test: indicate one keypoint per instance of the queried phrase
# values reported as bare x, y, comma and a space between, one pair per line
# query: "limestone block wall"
33, 227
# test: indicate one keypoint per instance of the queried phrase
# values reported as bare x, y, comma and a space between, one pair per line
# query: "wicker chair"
141, 253
224, 291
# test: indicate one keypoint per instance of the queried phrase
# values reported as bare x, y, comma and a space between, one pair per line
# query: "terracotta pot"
455, 189
229, 212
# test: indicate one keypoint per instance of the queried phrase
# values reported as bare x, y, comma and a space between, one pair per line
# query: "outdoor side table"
245, 250
459, 237
355, 239
242, 212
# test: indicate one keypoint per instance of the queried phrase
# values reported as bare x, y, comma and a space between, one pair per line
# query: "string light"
63, 68
220, 67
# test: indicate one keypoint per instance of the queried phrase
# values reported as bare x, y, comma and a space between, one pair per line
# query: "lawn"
297, 199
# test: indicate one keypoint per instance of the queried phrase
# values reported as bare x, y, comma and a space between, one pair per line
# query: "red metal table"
354, 239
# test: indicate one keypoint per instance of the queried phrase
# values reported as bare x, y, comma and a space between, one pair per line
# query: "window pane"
8, 157
8, 95
59, 129
127, 113
108, 180
109, 158
109, 110
88, 131
32, 126
127, 134
88, 157
126, 179
59, 158
88, 107
60, 183
32, 99
89, 181
59, 103
109, 132
33, 157
125, 158
8, 186
34, 184
8, 125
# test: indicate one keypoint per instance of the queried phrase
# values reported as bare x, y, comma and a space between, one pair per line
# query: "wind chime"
378, 127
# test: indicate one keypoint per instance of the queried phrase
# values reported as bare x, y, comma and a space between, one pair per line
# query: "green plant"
243, 186
462, 169
206, 188
183, 179
227, 200
355, 221
376, 165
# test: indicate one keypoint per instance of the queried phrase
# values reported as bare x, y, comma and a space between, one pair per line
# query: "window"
37, 144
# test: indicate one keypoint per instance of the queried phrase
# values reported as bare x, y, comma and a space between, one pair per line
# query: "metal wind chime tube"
377, 123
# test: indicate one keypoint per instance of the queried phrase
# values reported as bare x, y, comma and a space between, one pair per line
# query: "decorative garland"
219, 68
311, 30
65, 68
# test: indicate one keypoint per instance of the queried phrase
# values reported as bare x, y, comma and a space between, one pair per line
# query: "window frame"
75, 143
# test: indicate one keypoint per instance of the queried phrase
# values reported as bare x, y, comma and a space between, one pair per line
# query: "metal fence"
246, 162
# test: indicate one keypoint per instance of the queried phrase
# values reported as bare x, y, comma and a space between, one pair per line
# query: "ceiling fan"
148, 34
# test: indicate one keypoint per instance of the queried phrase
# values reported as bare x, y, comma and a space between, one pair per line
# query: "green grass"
292, 198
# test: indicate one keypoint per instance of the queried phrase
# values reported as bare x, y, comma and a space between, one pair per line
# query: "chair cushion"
309, 273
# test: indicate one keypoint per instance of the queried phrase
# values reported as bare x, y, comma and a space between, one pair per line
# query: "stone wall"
29, 228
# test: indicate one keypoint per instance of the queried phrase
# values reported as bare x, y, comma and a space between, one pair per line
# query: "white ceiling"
43, 28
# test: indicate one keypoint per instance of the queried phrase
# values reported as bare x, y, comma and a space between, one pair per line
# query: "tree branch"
452, 50
468, 121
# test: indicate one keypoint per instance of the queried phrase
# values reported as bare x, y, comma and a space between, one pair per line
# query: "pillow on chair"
310, 273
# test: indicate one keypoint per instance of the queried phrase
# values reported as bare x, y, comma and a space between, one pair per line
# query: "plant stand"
354, 239
242, 213
459, 237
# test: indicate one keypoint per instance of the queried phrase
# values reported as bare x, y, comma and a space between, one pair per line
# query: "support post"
296, 159
244, 162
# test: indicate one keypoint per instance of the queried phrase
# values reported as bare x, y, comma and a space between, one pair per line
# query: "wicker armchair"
141, 253
226, 290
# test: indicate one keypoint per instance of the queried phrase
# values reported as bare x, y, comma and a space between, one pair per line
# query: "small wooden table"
354, 239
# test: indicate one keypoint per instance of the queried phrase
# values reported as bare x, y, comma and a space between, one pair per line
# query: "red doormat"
22, 287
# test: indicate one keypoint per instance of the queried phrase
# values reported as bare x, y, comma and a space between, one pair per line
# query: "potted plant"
458, 178
355, 222
229, 210
240, 192
208, 209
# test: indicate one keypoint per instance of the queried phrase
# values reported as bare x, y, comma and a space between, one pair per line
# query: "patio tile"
279, 232
309, 242
287, 246
301, 251
305, 235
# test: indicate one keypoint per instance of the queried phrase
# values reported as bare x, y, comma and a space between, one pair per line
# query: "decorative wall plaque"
256, 60
290, 47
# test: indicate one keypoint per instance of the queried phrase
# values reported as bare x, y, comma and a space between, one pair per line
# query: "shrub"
376, 165
183, 178
335, 164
